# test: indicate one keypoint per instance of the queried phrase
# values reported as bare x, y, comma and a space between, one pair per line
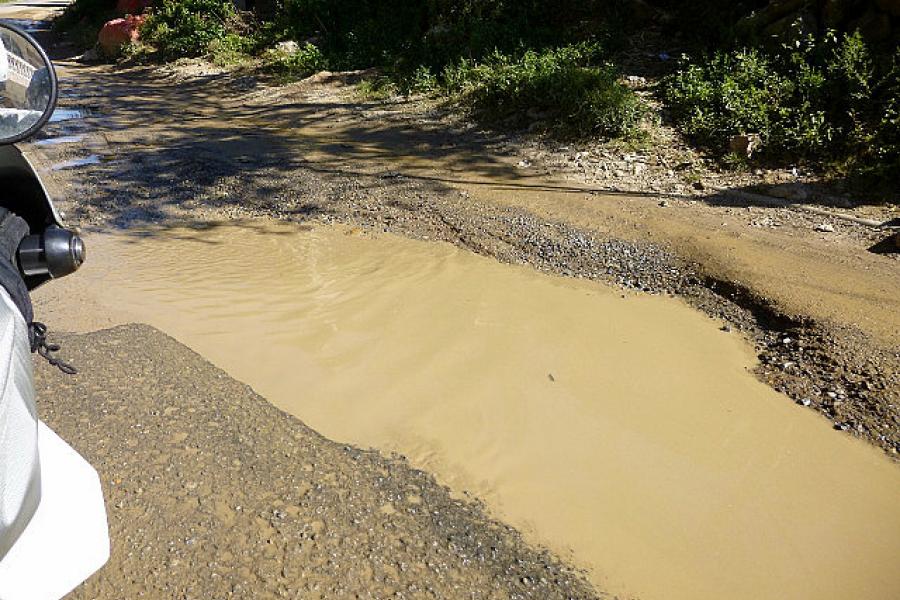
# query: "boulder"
118, 32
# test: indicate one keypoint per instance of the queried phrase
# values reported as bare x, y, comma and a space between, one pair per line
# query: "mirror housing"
28, 85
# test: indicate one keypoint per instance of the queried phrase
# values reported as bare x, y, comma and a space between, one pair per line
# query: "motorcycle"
53, 528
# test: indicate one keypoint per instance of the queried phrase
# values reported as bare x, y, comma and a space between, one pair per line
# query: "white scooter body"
66, 538
53, 528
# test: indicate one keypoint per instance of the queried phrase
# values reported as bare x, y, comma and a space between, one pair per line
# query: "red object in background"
132, 7
118, 32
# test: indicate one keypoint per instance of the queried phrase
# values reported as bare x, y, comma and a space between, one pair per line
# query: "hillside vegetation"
812, 81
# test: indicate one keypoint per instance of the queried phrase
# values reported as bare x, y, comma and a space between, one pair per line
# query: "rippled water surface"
626, 433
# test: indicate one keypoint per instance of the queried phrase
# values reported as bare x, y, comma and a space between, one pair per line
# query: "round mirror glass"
27, 85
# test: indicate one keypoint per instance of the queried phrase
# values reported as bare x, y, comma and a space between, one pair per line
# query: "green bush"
822, 100
726, 95
563, 86
377, 89
231, 49
188, 27
302, 63
885, 142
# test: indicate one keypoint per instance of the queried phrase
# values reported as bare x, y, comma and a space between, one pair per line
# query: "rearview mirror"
27, 85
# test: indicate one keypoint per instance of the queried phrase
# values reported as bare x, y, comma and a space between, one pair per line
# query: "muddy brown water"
625, 433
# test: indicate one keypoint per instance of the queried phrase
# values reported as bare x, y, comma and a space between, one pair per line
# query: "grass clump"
303, 62
377, 89
230, 50
825, 101
179, 28
563, 87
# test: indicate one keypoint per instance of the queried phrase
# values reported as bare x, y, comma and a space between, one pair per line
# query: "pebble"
825, 228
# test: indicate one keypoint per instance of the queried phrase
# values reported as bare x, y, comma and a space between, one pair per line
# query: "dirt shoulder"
201, 475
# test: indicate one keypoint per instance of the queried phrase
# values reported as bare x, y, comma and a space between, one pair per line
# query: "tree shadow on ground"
170, 142
174, 144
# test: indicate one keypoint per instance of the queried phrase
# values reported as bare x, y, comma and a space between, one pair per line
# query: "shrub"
231, 49
727, 95
188, 27
562, 85
884, 144
377, 88
823, 100
308, 59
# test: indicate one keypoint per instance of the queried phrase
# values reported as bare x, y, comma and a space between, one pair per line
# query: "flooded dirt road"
313, 153
626, 433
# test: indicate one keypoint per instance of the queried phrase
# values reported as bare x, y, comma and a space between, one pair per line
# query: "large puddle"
625, 433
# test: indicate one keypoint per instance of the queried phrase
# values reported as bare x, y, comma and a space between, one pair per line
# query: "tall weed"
824, 100
567, 87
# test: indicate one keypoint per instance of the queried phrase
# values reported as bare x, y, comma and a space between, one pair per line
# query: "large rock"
287, 47
119, 32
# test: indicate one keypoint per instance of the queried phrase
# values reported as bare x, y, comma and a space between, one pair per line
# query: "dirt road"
191, 144
213, 492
